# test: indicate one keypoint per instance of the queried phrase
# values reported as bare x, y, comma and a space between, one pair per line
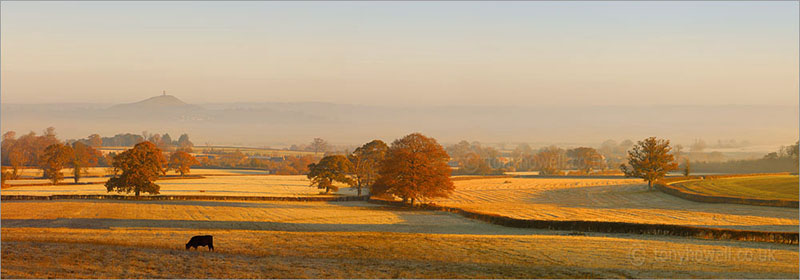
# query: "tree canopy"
83, 157
367, 161
318, 145
330, 169
475, 159
94, 140
550, 160
650, 159
181, 162
140, 167
415, 168
585, 159
184, 143
53, 159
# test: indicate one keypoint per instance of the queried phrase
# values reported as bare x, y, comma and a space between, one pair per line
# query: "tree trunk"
405, 199
327, 190
137, 193
359, 190
412, 201
650, 185
76, 174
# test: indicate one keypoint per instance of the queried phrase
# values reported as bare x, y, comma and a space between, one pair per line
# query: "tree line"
48, 153
163, 141
475, 159
52, 155
783, 160
413, 168
285, 165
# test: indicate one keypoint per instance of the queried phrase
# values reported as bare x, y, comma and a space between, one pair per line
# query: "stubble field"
590, 199
130, 239
759, 187
135, 239
615, 200
216, 182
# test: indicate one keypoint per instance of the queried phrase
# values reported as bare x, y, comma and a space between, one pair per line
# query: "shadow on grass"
208, 203
430, 222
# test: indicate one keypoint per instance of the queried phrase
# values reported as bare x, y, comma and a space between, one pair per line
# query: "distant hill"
162, 107
283, 124
157, 103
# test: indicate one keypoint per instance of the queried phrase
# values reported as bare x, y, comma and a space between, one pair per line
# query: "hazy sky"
509, 53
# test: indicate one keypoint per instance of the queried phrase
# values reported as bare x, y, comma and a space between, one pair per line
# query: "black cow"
201, 240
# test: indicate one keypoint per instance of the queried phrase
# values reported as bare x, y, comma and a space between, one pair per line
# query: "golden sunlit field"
216, 182
617, 200
134, 239
759, 187
436, 140
33, 175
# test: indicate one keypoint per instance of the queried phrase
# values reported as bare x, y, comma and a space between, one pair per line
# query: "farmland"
135, 239
216, 182
759, 187
33, 173
342, 240
615, 200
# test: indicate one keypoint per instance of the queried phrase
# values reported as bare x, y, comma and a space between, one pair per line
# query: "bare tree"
319, 145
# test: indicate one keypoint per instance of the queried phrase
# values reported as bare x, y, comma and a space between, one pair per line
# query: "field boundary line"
182, 197
706, 177
163, 178
572, 176
612, 227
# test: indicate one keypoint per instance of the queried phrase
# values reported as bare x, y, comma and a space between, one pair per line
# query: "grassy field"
35, 173
244, 185
760, 187
144, 239
615, 200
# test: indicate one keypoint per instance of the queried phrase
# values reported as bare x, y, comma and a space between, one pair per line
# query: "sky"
402, 53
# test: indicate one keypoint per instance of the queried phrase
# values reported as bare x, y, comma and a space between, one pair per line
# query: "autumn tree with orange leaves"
140, 167
650, 160
182, 161
83, 157
54, 158
415, 168
330, 169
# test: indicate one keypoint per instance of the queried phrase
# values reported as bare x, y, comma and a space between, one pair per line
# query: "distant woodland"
466, 158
